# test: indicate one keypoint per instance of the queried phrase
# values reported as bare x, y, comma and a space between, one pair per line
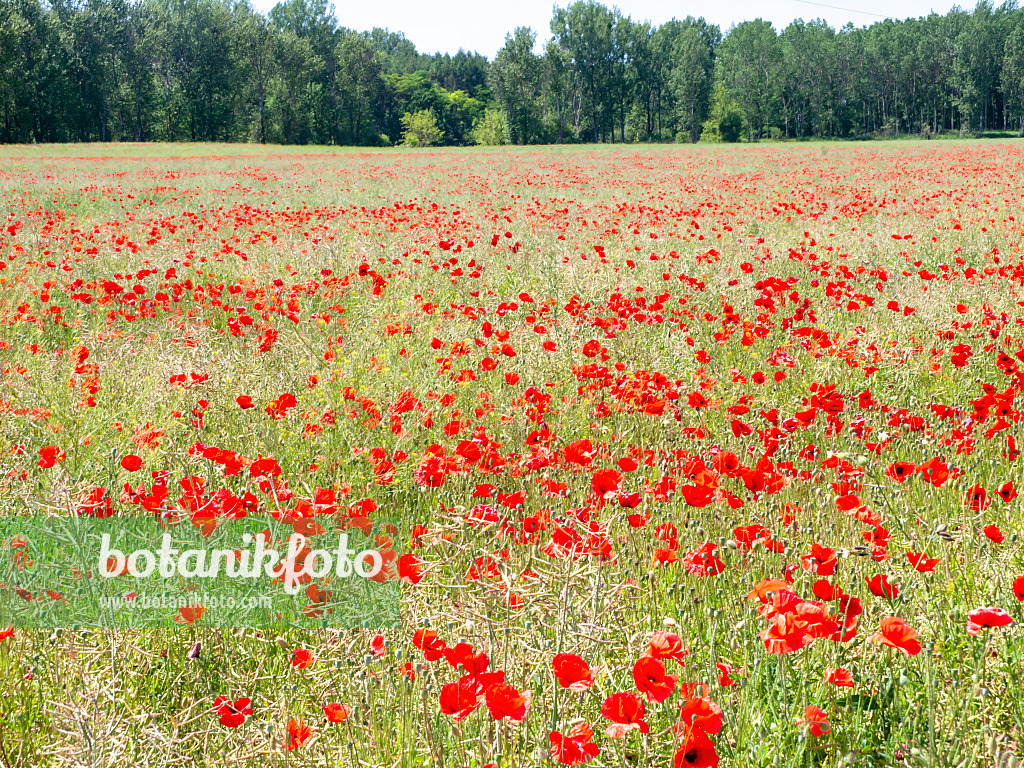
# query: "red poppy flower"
785, 634
921, 562
994, 533
244, 402
665, 556
378, 645
816, 720
976, 499
427, 641
696, 400
301, 658
626, 711
849, 502
697, 751
337, 713
504, 700
840, 677
629, 501
740, 428
704, 561
1011, 453
701, 712
5, 633
579, 452
726, 672
985, 618
458, 654
431, 472
298, 734
821, 560
575, 747
667, 645
606, 482
50, 455
697, 495
626, 464
899, 471
934, 471
881, 587
1007, 492
131, 463
189, 614
572, 672
232, 713
747, 536
825, 590
1018, 588
458, 700
410, 568
895, 632
765, 588
651, 679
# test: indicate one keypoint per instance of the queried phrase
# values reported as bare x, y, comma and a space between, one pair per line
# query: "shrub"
489, 130
419, 129
730, 124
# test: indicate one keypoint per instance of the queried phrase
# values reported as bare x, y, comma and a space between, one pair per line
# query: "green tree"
562, 95
464, 71
1013, 75
584, 31
515, 78
459, 114
410, 93
751, 57
400, 56
359, 88
490, 129
693, 74
198, 63
314, 23
812, 78
256, 45
295, 90
419, 129
975, 77
725, 118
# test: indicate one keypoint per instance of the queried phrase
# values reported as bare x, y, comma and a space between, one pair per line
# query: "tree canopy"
217, 70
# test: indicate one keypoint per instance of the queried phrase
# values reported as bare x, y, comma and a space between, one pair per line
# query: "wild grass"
102, 697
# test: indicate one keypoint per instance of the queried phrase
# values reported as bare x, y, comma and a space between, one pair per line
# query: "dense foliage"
216, 70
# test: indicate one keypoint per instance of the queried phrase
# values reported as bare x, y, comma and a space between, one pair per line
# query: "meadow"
698, 455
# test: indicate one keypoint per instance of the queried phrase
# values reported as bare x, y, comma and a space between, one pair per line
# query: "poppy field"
696, 455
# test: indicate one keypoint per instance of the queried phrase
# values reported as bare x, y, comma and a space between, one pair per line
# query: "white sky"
481, 25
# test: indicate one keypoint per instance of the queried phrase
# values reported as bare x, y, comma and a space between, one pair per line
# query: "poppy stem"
457, 731
933, 759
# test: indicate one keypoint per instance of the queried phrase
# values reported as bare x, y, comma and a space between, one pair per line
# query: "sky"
481, 25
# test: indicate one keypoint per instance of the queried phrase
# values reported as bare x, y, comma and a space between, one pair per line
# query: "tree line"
217, 70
